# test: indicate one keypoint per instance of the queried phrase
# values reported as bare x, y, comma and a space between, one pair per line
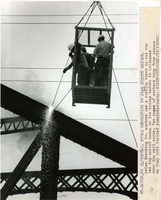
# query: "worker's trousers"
101, 67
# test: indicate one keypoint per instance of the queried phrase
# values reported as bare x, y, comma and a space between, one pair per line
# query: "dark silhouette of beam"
70, 128
22, 105
85, 180
96, 141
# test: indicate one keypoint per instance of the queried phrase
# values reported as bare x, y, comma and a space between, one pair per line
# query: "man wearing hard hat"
82, 65
101, 52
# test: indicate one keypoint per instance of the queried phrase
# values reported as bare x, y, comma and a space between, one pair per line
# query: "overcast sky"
35, 36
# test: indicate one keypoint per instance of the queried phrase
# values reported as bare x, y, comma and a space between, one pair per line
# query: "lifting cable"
87, 12
100, 8
125, 107
94, 5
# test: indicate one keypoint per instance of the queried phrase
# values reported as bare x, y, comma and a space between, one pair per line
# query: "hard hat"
100, 36
70, 46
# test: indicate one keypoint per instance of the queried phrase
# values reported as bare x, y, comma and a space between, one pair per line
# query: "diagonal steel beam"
22, 105
96, 141
21, 167
7, 128
70, 128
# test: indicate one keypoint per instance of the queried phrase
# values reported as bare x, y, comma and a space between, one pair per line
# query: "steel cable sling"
94, 5
125, 108
101, 8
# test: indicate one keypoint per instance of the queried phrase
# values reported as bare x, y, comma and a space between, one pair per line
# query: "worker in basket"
102, 53
81, 64
91, 63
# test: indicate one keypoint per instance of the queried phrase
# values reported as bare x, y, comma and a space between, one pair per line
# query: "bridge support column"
50, 161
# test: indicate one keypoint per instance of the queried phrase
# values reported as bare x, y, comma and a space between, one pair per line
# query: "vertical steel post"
50, 160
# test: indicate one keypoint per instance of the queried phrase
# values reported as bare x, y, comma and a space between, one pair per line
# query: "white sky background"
33, 57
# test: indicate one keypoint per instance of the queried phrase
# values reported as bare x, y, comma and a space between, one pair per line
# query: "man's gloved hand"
64, 70
71, 55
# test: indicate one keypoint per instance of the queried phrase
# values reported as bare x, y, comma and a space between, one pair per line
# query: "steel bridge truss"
17, 124
115, 180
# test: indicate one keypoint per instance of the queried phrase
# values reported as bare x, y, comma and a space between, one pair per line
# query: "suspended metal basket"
87, 37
